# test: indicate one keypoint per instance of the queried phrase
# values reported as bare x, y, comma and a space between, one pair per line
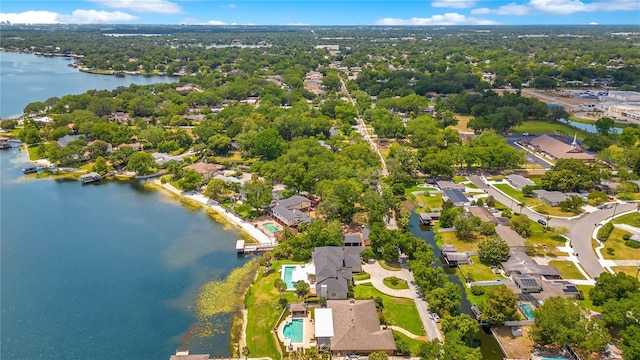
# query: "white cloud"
446, 19
78, 16
231, 6
216, 22
593, 23
30, 17
509, 9
192, 21
573, 6
456, 4
146, 6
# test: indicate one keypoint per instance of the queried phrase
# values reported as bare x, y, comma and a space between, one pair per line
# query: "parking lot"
531, 159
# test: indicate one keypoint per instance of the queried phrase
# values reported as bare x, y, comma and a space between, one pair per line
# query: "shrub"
611, 251
626, 237
603, 234
632, 244
477, 290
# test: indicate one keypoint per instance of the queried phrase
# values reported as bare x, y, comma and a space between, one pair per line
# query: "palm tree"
548, 220
520, 205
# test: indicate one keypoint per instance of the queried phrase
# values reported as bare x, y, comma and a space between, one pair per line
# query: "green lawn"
629, 270
545, 127
621, 250
459, 179
587, 301
451, 238
397, 311
361, 276
263, 312
428, 201
414, 344
568, 269
395, 283
632, 219
478, 271
544, 243
387, 266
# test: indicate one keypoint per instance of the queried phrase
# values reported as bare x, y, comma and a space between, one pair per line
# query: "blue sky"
328, 12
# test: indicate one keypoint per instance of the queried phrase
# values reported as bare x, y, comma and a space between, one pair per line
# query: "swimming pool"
270, 227
527, 310
294, 330
287, 274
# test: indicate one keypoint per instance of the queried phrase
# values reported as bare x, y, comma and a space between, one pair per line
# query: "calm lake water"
25, 78
105, 271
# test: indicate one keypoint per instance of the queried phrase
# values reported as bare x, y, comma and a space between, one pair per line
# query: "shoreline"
242, 225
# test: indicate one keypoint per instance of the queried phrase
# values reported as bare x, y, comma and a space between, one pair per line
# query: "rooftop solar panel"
571, 289
529, 282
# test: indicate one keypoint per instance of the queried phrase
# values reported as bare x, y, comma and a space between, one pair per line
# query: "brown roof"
206, 168
483, 213
509, 236
297, 307
356, 327
558, 149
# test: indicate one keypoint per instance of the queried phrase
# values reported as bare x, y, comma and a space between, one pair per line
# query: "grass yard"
478, 271
459, 179
463, 120
544, 243
544, 208
387, 266
395, 283
234, 156
632, 219
451, 238
568, 269
587, 301
428, 201
414, 344
263, 312
361, 276
545, 127
397, 311
629, 270
620, 250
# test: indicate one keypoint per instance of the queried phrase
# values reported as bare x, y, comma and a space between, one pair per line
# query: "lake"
25, 78
104, 271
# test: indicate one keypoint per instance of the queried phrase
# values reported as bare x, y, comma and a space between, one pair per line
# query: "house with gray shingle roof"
334, 268
553, 198
519, 181
290, 217
456, 197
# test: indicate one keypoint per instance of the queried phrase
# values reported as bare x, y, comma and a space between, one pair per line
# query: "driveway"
378, 273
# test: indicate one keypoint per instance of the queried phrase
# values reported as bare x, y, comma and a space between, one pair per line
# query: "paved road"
580, 229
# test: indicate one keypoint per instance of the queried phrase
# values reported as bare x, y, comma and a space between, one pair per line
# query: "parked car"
542, 222
435, 317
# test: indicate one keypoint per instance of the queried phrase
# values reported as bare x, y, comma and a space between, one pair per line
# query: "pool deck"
300, 272
308, 334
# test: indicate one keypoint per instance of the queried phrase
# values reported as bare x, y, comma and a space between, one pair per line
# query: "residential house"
163, 159
519, 263
135, 146
206, 170
553, 198
485, 215
354, 239
519, 181
456, 197
296, 202
289, 217
455, 258
557, 149
527, 284
429, 218
512, 238
65, 140
120, 117
298, 310
351, 327
447, 184
334, 267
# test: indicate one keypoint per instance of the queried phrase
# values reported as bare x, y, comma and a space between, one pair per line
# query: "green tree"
141, 163
572, 204
631, 342
215, 189
190, 181
500, 305
492, 251
521, 224
268, 144
609, 286
258, 193
219, 144
280, 285
302, 288
445, 299
461, 326
378, 356
604, 125
100, 165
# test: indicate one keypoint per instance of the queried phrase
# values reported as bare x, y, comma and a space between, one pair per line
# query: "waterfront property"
351, 327
294, 273
90, 177
456, 197
30, 169
297, 329
334, 268
429, 218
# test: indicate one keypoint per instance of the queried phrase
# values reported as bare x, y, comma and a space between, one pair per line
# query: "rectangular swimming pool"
287, 274
527, 310
294, 330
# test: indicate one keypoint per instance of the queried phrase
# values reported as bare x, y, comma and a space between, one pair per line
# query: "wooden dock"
242, 248
90, 178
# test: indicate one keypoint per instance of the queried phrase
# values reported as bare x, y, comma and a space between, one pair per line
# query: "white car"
436, 317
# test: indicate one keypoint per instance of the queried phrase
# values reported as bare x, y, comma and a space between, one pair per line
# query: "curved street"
580, 228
